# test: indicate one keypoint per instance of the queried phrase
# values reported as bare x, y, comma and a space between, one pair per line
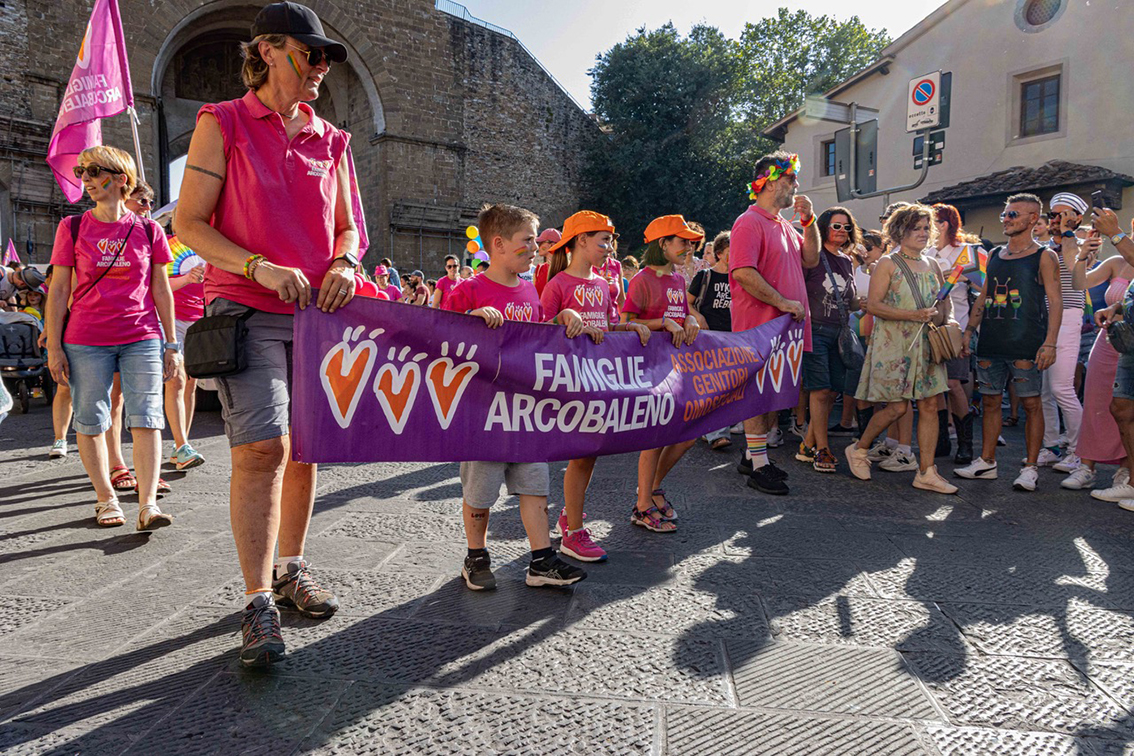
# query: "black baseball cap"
300, 22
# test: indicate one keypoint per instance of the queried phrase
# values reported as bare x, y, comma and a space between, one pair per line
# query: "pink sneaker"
561, 525
580, 546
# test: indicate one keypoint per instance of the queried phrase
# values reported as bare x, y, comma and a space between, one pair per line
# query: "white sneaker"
879, 451
798, 430
1121, 476
738, 428
1027, 479
58, 449
1000, 441
1062, 441
978, 469
898, 462
1046, 458
1114, 493
775, 438
1082, 478
1069, 464
1127, 504
930, 480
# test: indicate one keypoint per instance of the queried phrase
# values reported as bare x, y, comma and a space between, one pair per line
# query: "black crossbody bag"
215, 345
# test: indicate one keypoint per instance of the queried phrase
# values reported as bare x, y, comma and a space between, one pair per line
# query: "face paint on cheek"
294, 65
106, 184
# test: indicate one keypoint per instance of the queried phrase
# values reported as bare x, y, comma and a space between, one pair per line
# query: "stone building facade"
446, 112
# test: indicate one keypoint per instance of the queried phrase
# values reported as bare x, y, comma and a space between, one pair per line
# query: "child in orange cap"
575, 292
656, 299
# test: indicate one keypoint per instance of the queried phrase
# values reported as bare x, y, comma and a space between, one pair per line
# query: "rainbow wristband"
250, 265
810, 222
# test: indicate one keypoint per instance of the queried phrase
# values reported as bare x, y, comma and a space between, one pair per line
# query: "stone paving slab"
845, 618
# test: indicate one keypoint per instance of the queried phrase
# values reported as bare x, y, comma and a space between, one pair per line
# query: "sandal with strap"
152, 518
108, 514
668, 513
122, 479
652, 519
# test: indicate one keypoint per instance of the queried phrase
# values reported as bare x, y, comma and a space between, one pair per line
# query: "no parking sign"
923, 106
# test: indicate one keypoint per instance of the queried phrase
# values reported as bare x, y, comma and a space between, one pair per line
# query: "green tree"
683, 115
664, 101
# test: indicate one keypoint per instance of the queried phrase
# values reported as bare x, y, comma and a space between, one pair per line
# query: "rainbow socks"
757, 449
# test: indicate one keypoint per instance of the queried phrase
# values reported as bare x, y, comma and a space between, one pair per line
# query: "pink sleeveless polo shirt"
278, 198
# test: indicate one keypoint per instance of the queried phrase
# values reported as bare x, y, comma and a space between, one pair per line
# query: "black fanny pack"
215, 345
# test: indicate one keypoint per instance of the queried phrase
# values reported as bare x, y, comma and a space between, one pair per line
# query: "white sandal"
108, 514
152, 518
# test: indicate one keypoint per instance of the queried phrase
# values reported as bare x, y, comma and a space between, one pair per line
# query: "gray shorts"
255, 404
481, 481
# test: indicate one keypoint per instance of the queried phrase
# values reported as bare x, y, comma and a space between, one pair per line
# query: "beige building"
1042, 101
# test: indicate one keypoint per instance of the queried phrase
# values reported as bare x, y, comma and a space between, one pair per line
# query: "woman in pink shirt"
121, 320
449, 282
266, 202
656, 299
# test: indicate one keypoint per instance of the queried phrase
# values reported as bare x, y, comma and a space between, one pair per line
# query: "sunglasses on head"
841, 226
315, 55
92, 170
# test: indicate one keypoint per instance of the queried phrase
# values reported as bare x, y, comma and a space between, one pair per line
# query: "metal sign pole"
133, 116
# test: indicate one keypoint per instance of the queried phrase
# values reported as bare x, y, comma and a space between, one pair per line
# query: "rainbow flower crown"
773, 172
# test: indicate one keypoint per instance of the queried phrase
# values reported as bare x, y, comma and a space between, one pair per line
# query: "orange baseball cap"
583, 222
671, 225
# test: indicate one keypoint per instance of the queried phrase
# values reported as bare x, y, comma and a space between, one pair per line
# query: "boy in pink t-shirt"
767, 258
497, 295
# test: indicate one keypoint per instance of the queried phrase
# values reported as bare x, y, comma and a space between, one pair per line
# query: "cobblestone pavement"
845, 618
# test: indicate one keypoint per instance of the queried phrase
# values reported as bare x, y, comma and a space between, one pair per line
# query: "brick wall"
469, 117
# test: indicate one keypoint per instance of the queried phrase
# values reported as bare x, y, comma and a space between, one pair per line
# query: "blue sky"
566, 36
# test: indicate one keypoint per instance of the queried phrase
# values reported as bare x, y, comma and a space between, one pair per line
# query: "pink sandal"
668, 513
652, 520
121, 479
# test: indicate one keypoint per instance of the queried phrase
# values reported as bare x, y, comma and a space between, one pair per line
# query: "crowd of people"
869, 301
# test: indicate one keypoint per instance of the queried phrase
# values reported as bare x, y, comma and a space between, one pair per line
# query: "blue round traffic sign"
923, 92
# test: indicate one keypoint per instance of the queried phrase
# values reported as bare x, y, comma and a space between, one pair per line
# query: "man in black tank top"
1017, 336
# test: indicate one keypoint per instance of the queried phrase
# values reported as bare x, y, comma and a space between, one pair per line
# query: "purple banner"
387, 382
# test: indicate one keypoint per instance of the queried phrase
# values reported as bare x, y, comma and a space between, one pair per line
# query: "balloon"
472, 247
382, 295
367, 289
479, 243
481, 255
472, 232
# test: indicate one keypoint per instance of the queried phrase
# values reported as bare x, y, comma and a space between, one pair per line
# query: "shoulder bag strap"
117, 254
919, 300
845, 319
706, 281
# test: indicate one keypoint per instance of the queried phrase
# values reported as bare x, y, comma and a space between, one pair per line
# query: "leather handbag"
850, 346
1120, 334
945, 341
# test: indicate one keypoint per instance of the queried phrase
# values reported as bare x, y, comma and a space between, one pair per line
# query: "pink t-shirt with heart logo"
518, 303
652, 296
119, 309
590, 297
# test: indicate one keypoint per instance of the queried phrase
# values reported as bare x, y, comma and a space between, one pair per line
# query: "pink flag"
356, 207
99, 88
10, 254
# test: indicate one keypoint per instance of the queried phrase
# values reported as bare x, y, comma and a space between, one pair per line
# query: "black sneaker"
477, 572
841, 430
745, 466
765, 479
771, 470
262, 643
553, 571
299, 590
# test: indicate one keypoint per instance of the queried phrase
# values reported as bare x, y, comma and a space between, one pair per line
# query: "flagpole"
133, 116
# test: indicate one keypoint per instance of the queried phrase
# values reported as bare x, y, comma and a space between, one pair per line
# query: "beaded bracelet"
255, 267
250, 265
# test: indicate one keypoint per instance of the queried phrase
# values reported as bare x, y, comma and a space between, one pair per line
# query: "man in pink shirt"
766, 280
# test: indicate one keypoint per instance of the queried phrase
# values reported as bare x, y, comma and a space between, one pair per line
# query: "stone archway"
199, 62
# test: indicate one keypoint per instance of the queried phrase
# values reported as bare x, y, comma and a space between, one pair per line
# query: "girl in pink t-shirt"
656, 299
576, 292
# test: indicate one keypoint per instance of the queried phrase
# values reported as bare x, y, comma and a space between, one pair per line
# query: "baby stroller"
23, 365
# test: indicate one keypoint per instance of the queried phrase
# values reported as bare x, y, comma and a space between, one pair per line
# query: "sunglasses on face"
315, 55
1009, 215
92, 170
841, 227
143, 202
451, 267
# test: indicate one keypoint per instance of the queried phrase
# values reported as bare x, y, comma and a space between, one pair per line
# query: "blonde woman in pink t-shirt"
121, 320
266, 202
575, 291
656, 299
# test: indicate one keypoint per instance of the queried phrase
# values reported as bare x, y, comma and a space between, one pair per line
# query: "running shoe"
775, 438
477, 572
561, 523
898, 462
859, 461
553, 571
879, 451
578, 545
58, 449
1082, 478
187, 457
1069, 464
765, 480
261, 644
978, 469
930, 480
1047, 458
797, 429
299, 590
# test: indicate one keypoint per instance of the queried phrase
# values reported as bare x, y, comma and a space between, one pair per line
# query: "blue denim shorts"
822, 366
993, 373
92, 370
1124, 377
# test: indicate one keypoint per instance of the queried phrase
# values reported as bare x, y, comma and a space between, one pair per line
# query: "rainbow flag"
951, 281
